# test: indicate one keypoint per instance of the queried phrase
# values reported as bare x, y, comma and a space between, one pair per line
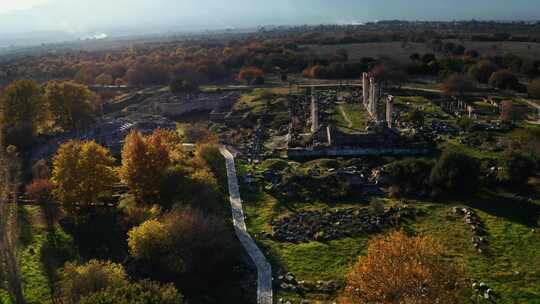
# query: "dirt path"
345, 116
264, 270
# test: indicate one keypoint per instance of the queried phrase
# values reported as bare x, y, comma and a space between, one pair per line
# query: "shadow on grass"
24, 219
506, 206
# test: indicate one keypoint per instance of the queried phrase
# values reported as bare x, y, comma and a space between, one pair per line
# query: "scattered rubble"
329, 225
480, 234
288, 282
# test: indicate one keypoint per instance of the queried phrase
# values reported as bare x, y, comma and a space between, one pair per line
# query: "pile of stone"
326, 225
480, 235
288, 282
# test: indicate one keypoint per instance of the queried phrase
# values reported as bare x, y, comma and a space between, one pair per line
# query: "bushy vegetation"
183, 246
409, 177
455, 174
144, 292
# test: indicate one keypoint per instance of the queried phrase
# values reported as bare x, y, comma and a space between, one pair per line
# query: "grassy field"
38, 257
350, 118
511, 267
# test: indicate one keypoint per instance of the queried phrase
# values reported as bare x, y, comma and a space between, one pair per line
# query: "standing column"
365, 88
390, 111
314, 114
374, 98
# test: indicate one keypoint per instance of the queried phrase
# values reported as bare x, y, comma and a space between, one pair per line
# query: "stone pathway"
264, 270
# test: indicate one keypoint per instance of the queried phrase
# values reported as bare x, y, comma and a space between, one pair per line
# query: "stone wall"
164, 107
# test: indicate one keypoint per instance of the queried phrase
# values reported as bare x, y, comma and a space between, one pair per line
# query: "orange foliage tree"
403, 269
145, 160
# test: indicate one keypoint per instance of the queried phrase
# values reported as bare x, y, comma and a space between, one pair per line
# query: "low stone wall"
354, 151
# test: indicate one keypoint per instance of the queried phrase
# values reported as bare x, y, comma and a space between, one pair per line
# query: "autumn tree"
83, 174
251, 75
401, 269
70, 104
21, 102
145, 160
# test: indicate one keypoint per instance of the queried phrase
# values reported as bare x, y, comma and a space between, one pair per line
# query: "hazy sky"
88, 16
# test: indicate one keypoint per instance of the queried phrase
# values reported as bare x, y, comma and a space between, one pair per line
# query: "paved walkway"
264, 271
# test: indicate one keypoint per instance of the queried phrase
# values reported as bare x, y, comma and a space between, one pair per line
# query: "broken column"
390, 111
365, 88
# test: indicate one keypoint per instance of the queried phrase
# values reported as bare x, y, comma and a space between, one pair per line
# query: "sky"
88, 17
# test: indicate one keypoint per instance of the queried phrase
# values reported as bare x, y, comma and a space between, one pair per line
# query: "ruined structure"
172, 105
371, 89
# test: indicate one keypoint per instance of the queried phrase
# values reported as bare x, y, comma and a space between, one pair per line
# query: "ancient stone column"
314, 114
365, 88
390, 111
374, 98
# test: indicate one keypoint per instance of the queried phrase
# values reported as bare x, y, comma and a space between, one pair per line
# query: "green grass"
355, 113
430, 110
512, 266
37, 265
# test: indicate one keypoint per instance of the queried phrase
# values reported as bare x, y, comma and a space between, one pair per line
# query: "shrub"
409, 177
78, 281
465, 123
144, 292
455, 173
402, 269
504, 79
211, 156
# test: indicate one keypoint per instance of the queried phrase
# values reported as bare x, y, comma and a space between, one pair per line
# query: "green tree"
517, 168
458, 84
70, 104
482, 71
455, 174
83, 173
